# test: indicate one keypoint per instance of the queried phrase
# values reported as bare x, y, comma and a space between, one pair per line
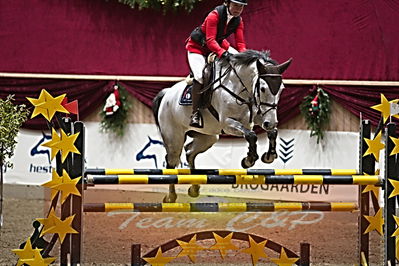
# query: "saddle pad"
185, 98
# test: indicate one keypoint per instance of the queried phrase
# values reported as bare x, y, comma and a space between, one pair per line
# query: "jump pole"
374, 180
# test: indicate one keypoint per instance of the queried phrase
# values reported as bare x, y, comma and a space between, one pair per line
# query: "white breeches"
197, 63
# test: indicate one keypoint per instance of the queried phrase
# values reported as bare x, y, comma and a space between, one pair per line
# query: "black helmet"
242, 2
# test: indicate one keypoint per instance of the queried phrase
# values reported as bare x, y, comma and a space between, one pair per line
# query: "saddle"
206, 91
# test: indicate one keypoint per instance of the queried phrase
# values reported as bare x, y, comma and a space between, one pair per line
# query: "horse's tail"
155, 105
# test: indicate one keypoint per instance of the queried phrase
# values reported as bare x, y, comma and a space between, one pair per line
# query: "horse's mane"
249, 56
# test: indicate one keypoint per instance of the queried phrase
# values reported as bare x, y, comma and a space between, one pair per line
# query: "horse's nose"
266, 124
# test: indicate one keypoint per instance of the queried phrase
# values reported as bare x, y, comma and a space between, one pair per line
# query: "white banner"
142, 147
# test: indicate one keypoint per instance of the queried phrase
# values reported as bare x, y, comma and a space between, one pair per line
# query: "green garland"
317, 114
116, 122
164, 5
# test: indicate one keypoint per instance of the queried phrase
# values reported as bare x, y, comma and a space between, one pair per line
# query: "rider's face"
235, 9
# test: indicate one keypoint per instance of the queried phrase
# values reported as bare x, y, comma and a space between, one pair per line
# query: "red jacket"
209, 28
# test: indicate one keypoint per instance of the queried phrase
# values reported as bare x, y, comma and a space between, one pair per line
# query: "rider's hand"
226, 56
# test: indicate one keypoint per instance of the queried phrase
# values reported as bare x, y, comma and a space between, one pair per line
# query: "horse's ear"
261, 68
283, 67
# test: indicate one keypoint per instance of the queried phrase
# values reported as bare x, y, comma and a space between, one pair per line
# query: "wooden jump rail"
109, 171
235, 179
221, 207
71, 249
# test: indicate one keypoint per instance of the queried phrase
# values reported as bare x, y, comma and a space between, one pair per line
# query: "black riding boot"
196, 118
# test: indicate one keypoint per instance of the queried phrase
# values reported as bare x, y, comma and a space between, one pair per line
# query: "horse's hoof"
193, 192
245, 164
268, 158
169, 199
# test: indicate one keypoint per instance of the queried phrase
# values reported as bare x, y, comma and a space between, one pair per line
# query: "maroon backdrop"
340, 39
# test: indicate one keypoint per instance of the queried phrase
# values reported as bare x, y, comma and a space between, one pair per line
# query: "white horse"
246, 90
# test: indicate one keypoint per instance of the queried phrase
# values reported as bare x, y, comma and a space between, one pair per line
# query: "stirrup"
196, 120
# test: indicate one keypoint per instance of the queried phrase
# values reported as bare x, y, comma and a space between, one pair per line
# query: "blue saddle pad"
185, 98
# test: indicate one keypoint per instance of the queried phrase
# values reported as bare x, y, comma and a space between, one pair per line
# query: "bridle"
271, 106
253, 100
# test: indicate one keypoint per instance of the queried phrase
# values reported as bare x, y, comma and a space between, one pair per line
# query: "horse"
245, 91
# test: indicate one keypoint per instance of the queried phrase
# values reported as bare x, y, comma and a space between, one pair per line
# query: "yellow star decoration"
373, 188
54, 139
256, 250
48, 222
67, 186
396, 148
158, 260
284, 260
63, 144
223, 244
375, 146
189, 249
376, 222
397, 248
395, 185
55, 180
54, 225
396, 233
47, 105
384, 107
26, 253
38, 260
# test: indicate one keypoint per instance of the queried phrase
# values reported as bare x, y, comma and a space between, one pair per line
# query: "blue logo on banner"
38, 150
151, 151
147, 152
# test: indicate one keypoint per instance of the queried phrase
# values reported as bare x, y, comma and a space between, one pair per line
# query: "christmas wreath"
316, 110
115, 112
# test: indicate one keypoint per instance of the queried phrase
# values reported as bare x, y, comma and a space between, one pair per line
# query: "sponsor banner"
142, 147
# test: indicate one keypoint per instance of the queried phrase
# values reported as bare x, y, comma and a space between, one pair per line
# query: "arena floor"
108, 237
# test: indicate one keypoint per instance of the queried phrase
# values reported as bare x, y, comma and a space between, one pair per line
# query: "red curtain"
340, 39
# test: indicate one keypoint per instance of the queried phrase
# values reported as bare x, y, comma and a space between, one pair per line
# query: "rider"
211, 37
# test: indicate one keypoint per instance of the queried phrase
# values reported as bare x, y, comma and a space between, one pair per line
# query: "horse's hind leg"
199, 144
173, 148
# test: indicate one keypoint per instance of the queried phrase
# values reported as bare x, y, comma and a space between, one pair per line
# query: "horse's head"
267, 92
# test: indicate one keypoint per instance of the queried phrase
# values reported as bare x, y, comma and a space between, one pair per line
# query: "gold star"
375, 146
63, 144
373, 188
55, 180
395, 185
48, 222
67, 187
26, 253
189, 249
256, 250
284, 260
62, 228
47, 105
158, 260
376, 222
396, 233
384, 107
396, 148
397, 248
54, 139
223, 244
38, 260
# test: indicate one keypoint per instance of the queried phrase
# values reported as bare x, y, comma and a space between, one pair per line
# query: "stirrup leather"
196, 120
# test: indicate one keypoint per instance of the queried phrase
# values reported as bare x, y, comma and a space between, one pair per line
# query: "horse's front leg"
271, 154
236, 128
